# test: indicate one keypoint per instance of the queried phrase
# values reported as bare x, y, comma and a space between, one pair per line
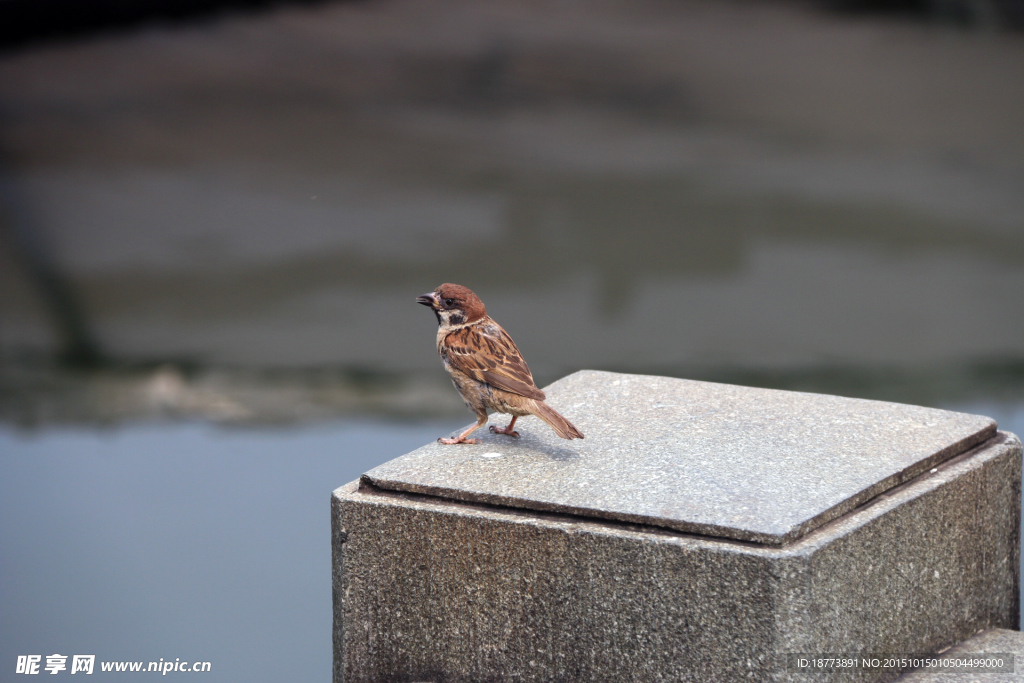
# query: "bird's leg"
461, 438
507, 430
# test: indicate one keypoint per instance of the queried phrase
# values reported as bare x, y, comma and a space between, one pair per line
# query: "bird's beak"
428, 299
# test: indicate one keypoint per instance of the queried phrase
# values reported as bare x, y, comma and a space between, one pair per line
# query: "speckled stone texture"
996, 640
746, 524
719, 460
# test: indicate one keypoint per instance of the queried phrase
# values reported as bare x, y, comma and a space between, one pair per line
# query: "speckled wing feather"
486, 353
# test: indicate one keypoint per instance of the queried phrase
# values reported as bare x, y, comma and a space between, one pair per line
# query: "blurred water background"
213, 229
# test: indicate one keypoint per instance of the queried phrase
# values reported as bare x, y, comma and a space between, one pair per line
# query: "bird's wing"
486, 353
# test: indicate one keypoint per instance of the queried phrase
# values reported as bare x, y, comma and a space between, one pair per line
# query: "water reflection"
180, 541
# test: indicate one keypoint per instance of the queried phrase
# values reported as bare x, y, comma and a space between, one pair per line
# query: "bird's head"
454, 305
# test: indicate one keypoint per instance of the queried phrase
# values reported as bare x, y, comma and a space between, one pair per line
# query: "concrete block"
700, 532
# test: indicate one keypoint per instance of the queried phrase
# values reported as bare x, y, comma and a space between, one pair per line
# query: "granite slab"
428, 589
758, 465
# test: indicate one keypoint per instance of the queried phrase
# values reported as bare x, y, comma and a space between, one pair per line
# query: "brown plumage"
485, 365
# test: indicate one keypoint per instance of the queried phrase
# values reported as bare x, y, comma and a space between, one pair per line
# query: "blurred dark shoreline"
45, 395
24, 23
27, 22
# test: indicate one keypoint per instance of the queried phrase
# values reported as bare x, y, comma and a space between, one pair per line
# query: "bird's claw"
458, 440
504, 430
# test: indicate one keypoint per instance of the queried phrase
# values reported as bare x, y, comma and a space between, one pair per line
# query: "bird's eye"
449, 302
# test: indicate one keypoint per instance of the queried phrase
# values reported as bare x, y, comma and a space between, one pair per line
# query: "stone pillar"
701, 532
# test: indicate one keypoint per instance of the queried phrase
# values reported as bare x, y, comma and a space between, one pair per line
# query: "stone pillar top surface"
758, 465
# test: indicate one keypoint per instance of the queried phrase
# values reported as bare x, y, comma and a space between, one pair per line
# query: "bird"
485, 365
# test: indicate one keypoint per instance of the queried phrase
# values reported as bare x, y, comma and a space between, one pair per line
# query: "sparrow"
485, 365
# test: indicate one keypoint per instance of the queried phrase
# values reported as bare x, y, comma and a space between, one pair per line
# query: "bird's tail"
562, 427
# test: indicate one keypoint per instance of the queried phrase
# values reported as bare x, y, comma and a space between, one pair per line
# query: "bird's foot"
458, 439
505, 430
